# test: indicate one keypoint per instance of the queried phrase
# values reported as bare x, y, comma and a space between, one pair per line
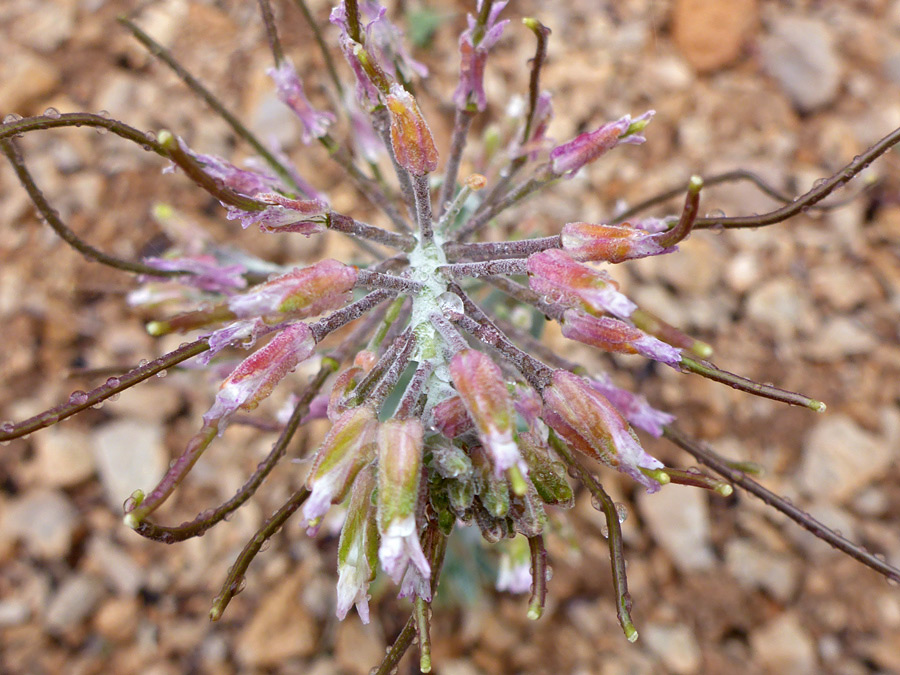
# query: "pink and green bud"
633, 407
348, 447
301, 293
612, 335
528, 405
290, 92
527, 513
357, 549
474, 44
590, 424
245, 182
256, 376
492, 490
610, 243
554, 274
568, 158
482, 388
410, 136
451, 418
400, 447
303, 216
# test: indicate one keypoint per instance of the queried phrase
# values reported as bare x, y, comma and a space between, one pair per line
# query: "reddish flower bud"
616, 336
569, 157
590, 424
256, 377
290, 92
610, 243
348, 447
400, 446
553, 273
301, 293
410, 136
482, 388
451, 418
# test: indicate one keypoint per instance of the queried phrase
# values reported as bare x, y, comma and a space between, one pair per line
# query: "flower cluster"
441, 414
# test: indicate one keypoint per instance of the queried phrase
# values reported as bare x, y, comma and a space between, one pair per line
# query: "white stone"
130, 456
678, 518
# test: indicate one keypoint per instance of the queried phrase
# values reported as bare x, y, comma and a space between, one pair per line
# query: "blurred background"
792, 90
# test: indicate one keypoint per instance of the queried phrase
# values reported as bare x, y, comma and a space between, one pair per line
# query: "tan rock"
711, 33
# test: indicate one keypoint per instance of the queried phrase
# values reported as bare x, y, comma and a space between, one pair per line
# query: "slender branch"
422, 193
704, 455
410, 404
195, 85
323, 48
709, 371
614, 536
486, 269
265, 9
407, 345
537, 374
520, 192
808, 199
493, 250
80, 400
381, 121
542, 34
461, 125
66, 234
234, 582
400, 646
346, 224
368, 279
323, 327
538, 577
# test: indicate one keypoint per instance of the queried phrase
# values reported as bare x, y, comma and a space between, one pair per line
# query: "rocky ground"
791, 89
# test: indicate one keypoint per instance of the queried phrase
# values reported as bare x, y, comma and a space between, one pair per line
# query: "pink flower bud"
245, 331
357, 550
612, 335
554, 274
240, 180
304, 216
348, 447
451, 418
207, 273
290, 92
400, 445
473, 54
410, 136
569, 157
256, 376
610, 243
344, 383
482, 388
514, 573
633, 407
589, 423
301, 293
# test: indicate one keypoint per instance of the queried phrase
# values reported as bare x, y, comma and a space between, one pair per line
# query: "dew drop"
114, 397
451, 305
142, 363
715, 213
150, 136
52, 113
7, 427
238, 586
263, 547
78, 397
604, 531
595, 502
97, 405
113, 382
11, 117
621, 512
162, 373
819, 182
892, 581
